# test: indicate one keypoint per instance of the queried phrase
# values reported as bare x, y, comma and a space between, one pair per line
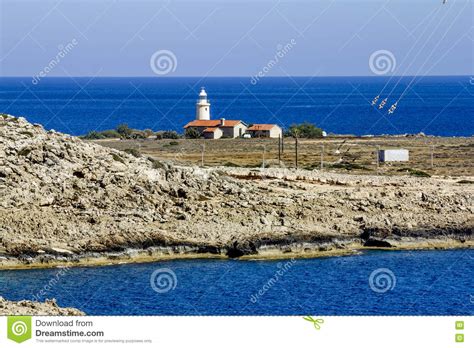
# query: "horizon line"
233, 76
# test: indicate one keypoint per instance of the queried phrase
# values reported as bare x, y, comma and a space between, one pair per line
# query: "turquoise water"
403, 283
433, 105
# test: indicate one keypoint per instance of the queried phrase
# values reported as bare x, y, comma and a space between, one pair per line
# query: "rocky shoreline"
69, 202
49, 307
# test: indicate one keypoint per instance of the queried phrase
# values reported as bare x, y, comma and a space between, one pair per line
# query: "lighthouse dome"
202, 93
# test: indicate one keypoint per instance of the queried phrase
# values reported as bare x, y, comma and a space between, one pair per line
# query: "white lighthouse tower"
203, 107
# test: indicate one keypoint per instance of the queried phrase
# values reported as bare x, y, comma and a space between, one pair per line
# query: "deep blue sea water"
433, 105
423, 283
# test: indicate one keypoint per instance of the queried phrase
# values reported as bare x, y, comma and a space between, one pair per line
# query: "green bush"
167, 135
110, 133
192, 133
304, 130
124, 130
133, 152
415, 172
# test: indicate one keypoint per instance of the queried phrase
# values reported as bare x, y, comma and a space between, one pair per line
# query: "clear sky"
235, 38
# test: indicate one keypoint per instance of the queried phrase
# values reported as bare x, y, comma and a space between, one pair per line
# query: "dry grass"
451, 156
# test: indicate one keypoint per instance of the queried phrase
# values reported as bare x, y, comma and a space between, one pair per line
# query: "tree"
124, 130
305, 130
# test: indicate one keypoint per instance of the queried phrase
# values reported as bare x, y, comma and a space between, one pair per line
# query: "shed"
394, 155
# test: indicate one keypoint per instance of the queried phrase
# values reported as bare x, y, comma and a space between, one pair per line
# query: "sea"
372, 283
441, 106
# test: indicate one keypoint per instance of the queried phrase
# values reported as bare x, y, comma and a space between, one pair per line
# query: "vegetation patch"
415, 172
347, 166
24, 152
156, 164
28, 134
117, 158
304, 130
167, 135
133, 152
465, 182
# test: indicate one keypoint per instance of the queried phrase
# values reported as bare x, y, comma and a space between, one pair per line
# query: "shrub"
167, 135
110, 133
124, 130
117, 158
156, 164
136, 134
192, 133
305, 130
148, 132
133, 152
173, 143
93, 135
415, 172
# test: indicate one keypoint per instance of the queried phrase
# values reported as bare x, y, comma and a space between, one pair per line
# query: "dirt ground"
441, 156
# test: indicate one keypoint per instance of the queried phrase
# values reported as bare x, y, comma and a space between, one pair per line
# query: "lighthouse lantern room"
203, 107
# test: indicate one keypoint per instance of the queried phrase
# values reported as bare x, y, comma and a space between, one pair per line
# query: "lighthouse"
203, 107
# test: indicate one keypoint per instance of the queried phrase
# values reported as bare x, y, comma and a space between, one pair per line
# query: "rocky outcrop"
49, 307
64, 200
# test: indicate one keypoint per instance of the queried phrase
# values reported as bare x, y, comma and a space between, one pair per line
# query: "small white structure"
394, 155
203, 107
265, 131
212, 133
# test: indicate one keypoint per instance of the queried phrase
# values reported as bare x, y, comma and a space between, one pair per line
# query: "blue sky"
235, 38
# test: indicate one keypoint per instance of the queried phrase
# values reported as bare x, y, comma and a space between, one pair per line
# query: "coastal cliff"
66, 201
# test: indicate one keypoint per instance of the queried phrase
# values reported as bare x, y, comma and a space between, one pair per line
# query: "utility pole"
322, 157
279, 149
282, 142
432, 156
263, 157
203, 146
296, 152
377, 153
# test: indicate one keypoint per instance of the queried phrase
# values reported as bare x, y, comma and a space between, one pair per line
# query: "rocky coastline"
68, 202
49, 307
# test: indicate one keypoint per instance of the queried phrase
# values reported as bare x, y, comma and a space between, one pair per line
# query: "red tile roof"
212, 123
262, 127
210, 130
